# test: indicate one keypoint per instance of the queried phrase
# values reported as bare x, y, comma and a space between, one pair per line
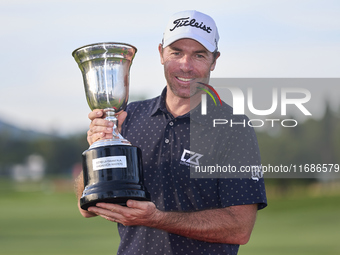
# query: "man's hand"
100, 128
135, 213
231, 225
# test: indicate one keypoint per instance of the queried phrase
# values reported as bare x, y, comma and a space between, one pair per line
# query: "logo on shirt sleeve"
190, 158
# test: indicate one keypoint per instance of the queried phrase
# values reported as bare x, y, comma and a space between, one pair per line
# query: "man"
186, 215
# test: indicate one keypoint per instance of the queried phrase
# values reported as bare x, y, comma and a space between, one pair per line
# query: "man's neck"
179, 106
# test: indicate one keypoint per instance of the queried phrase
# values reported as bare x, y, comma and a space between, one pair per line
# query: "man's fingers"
101, 122
105, 213
100, 129
111, 207
97, 113
136, 204
95, 137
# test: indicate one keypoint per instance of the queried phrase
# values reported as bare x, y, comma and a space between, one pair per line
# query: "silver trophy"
112, 168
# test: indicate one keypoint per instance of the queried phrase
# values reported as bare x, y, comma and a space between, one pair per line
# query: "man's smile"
184, 79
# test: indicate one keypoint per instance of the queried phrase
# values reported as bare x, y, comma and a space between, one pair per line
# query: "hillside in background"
18, 145
13, 132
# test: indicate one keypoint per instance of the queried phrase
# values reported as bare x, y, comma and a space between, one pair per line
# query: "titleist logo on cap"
185, 22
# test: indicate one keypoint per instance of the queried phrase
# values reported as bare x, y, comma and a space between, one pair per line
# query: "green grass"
47, 223
304, 225
37, 222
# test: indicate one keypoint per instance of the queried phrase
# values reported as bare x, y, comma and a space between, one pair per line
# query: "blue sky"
41, 86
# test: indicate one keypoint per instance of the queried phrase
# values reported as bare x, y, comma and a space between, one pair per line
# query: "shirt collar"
194, 115
160, 104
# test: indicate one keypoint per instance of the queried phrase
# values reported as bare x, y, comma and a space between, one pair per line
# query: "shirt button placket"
171, 123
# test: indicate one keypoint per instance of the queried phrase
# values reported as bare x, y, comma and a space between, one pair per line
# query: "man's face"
186, 62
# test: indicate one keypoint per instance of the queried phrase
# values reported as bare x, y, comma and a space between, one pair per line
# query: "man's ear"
160, 49
218, 54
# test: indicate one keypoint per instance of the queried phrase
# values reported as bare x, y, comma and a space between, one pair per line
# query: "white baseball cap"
194, 25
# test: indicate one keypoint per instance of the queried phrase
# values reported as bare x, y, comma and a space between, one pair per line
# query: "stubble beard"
193, 88
176, 91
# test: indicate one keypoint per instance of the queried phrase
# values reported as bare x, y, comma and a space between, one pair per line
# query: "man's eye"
176, 53
199, 56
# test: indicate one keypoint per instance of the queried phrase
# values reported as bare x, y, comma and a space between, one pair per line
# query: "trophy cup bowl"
112, 168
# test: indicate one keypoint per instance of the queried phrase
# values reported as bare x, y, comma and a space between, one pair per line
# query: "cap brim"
210, 47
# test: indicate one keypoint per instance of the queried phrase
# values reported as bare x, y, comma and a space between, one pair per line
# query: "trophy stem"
111, 116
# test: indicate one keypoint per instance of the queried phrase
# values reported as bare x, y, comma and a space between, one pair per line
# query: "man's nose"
186, 64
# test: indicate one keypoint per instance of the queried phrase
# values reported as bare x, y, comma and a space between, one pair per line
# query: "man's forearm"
79, 185
231, 225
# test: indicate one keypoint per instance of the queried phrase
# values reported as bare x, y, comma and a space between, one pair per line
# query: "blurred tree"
311, 142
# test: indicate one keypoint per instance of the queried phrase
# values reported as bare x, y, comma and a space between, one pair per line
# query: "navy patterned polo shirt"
172, 149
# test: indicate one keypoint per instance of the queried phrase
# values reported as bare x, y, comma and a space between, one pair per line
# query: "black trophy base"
112, 174
120, 197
